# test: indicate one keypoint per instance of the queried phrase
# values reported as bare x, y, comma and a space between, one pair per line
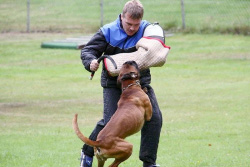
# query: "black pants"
150, 133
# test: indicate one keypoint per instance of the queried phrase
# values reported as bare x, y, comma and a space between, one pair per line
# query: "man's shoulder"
114, 24
115, 28
111, 28
144, 23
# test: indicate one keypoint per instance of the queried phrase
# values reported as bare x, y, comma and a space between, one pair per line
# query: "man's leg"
111, 97
88, 151
150, 133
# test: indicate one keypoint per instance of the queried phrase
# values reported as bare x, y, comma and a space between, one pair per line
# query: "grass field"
203, 91
220, 16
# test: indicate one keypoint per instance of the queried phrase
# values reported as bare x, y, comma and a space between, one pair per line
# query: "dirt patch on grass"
43, 104
243, 56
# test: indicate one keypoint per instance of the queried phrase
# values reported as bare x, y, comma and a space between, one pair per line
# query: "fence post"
101, 12
183, 14
28, 17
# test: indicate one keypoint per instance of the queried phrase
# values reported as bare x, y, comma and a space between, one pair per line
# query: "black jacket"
110, 40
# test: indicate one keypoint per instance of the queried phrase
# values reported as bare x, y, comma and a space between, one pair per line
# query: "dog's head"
129, 71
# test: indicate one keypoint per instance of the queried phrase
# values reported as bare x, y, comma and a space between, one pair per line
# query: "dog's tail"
81, 136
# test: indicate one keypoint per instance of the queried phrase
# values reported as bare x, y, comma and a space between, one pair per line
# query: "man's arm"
93, 50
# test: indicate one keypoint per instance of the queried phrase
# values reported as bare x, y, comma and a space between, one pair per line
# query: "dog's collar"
137, 82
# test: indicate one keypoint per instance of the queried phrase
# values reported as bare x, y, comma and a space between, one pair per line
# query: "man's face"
130, 25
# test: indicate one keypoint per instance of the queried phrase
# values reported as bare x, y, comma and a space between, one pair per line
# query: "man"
121, 36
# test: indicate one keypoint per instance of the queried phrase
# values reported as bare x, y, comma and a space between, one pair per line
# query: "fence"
224, 16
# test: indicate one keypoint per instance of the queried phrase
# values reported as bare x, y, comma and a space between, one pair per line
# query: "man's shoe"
145, 164
85, 161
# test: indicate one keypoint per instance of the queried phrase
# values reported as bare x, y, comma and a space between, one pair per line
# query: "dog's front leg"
148, 110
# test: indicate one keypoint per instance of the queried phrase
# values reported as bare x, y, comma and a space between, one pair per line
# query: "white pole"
101, 13
28, 17
183, 14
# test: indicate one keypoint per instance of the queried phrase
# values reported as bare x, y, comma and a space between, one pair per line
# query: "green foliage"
203, 92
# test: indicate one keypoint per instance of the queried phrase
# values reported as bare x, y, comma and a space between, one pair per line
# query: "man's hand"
94, 65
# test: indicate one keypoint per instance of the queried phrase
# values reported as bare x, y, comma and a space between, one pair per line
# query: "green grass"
203, 91
220, 16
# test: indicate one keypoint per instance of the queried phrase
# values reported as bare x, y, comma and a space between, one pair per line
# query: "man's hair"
134, 8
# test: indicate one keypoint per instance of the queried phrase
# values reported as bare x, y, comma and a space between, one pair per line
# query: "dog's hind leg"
101, 163
122, 153
101, 159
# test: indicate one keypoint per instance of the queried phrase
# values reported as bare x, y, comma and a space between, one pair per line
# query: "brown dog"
134, 108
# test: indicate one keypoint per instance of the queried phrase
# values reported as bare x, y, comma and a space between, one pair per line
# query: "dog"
134, 108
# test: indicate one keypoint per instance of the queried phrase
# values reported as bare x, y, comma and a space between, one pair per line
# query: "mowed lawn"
203, 91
